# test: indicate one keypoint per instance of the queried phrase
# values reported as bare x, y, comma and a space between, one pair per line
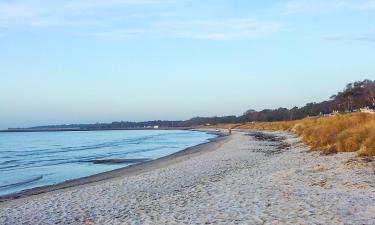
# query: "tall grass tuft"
354, 132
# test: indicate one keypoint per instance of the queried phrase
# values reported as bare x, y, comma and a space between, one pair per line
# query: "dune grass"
354, 132
274, 126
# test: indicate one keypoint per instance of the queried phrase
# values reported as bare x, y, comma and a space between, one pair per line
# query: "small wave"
142, 150
115, 143
117, 161
8, 168
21, 183
9, 162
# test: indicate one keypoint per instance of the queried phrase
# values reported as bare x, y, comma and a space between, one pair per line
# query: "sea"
35, 159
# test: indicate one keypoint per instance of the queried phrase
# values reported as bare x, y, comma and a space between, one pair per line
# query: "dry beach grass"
354, 132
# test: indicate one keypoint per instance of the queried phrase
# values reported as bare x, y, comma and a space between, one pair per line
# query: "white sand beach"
245, 179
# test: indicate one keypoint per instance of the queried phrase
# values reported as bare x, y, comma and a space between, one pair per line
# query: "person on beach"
229, 131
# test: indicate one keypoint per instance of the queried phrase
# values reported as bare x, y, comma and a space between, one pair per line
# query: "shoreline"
130, 170
249, 177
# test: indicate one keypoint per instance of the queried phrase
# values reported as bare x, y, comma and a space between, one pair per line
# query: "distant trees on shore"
355, 95
115, 125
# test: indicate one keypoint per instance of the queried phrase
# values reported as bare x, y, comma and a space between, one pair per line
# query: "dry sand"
247, 178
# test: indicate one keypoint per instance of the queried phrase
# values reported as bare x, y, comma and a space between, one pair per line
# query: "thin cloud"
30, 12
122, 19
362, 38
14, 11
116, 35
216, 30
326, 6
221, 29
84, 4
368, 5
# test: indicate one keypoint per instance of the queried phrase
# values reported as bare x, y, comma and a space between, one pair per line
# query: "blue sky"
83, 61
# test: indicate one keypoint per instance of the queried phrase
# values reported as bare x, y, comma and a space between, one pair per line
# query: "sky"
87, 61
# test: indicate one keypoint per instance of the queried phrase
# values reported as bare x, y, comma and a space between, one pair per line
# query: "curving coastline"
250, 177
142, 165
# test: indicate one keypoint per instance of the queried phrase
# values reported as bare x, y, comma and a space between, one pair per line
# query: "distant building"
368, 109
328, 113
156, 127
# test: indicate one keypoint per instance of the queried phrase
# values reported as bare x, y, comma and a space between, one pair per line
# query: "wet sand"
247, 178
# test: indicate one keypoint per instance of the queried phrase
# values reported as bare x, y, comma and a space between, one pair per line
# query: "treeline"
209, 121
130, 125
114, 125
354, 96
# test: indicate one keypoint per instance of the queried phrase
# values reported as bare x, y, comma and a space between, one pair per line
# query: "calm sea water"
35, 159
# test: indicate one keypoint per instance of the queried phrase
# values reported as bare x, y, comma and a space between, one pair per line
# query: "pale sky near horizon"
86, 61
